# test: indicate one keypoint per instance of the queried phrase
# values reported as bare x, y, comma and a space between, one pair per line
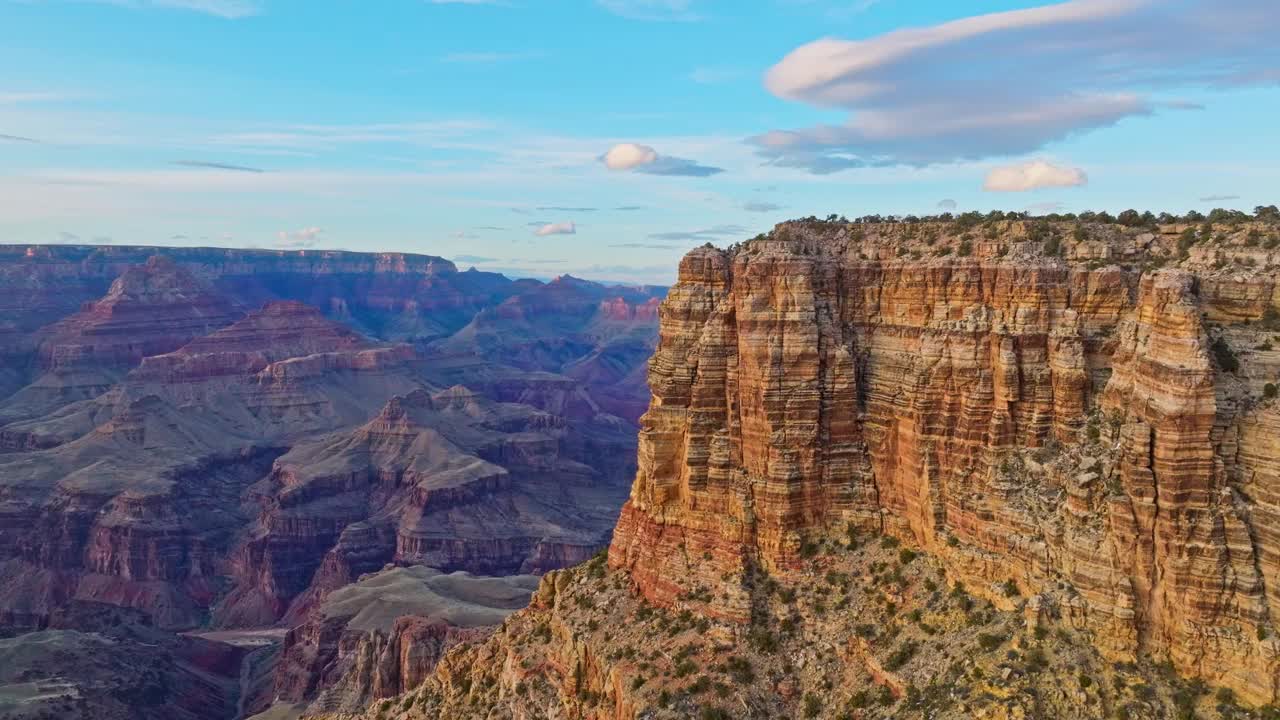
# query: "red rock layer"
799, 387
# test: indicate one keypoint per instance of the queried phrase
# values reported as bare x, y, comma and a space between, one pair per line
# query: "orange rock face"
1076, 429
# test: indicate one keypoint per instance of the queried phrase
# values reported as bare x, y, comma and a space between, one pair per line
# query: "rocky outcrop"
150, 309
1066, 419
600, 336
139, 500
799, 388
384, 634
451, 479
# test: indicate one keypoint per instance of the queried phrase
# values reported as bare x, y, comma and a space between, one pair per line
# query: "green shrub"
712, 712
812, 705
741, 671
1269, 391
901, 656
989, 642
1271, 318
1225, 356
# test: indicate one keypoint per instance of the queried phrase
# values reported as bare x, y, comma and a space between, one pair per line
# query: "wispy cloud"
652, 10
561, 208
1218, 198
560, 228
648, 246
227, 9
477, 259
924, 95
299, 239
760, 206
716, 232
217, 166
947, 204
31, 98
20, 139
1042, 208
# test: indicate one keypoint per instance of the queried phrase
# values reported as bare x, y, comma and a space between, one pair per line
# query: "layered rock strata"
383, 635
800, 388
1072, 420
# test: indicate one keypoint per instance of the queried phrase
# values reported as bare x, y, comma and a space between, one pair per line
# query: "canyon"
202, 444
997, 468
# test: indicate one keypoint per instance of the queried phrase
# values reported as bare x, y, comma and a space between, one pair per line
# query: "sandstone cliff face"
1073, 427
799, 388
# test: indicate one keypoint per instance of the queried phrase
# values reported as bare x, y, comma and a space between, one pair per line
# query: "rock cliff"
1065, 428
1073, 422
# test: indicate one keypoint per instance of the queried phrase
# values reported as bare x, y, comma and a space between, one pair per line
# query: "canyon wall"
1072, 424
225, 436
1067, 427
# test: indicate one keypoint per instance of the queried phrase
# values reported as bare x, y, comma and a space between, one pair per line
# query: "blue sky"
605, 137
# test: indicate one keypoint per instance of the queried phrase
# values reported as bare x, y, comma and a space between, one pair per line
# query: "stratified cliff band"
1075, 422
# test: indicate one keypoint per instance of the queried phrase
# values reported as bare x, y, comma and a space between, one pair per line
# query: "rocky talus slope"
1075, 424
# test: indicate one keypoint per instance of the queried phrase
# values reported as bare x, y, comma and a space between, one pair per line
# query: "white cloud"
642, 158
304, 238
947, 204
628, 156
560, 228
1007, 83
1032, 175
